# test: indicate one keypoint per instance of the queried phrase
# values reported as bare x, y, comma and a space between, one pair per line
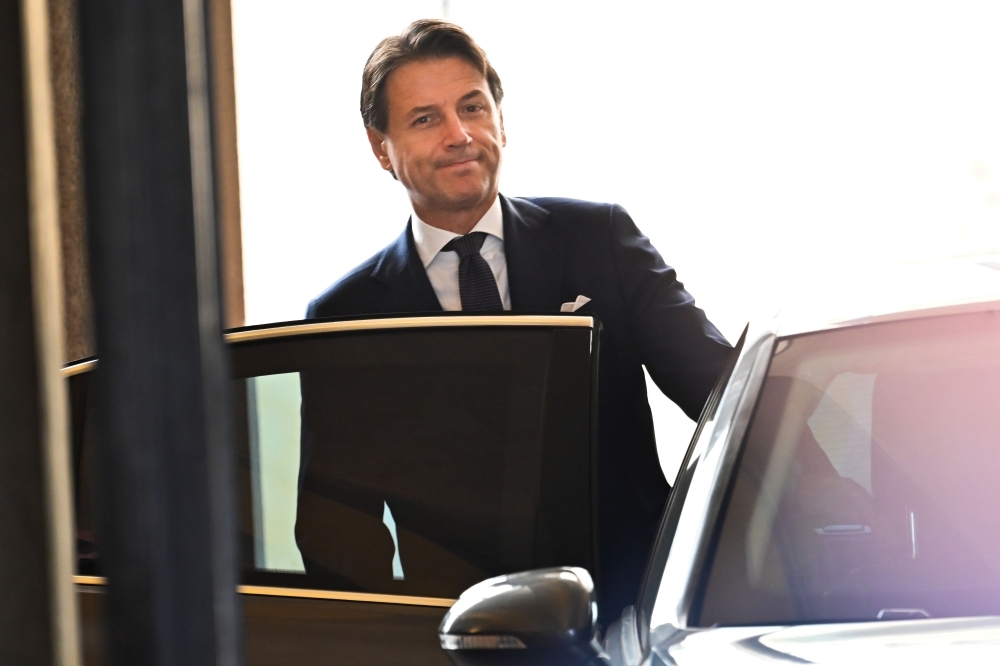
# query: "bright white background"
762, 146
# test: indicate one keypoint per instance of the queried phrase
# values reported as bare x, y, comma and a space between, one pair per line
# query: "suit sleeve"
681, 349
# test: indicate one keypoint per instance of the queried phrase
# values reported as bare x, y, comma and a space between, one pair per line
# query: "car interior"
862, 486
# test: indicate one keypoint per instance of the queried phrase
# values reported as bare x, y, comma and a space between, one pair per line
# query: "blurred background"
768, 150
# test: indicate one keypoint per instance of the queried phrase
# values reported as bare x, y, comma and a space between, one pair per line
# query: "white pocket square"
573, 306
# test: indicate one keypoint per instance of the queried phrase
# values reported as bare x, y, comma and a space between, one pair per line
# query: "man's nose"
456, 134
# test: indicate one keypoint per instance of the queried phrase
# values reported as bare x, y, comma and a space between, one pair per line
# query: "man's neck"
458, 222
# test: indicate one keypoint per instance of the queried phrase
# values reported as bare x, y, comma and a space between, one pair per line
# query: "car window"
866, 486
84, 437
412, 461
274, 429
415, 462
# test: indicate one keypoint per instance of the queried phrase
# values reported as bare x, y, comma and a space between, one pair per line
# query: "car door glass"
414, 462
275, 429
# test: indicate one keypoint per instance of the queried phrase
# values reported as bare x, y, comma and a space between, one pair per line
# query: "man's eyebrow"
418, 110
471, 94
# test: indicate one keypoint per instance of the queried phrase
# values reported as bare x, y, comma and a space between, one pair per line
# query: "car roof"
911, 291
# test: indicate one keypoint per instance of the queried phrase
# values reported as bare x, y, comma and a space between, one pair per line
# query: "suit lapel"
534, 252
401, 270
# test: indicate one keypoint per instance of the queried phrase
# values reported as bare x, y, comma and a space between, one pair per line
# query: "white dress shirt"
442, 267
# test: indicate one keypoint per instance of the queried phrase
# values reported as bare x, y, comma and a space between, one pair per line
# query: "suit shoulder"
575, 216
352, 291
576, 207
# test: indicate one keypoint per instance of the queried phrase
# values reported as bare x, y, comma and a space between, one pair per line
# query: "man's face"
445, 135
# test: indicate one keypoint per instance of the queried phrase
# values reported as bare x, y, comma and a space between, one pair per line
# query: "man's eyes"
427, 119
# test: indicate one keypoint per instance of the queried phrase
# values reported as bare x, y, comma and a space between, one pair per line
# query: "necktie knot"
476, 284
466, 245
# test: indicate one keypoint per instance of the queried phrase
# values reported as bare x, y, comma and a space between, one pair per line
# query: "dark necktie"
476, 284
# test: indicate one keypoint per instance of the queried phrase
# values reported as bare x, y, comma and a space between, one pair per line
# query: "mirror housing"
545, 617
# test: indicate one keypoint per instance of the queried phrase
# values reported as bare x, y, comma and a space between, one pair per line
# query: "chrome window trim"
315, 328
712, 461
296, 593
409, 322
333, 595
78, 368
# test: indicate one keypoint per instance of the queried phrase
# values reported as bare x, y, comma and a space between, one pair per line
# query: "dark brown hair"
422, 40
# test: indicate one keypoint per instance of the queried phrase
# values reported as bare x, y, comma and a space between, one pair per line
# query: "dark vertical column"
166, 493
37, 614
25, 621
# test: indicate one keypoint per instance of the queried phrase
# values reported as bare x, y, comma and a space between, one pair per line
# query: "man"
430, 101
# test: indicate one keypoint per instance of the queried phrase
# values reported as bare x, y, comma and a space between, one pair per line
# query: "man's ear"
503, 135
377, 141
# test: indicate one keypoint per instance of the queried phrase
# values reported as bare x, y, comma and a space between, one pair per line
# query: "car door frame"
91, 585
675, 562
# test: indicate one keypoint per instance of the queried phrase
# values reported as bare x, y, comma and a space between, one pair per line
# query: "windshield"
868, 485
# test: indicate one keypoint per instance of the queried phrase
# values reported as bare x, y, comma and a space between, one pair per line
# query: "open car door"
384, 466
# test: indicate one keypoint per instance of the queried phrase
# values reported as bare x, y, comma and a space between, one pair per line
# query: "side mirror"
536, 617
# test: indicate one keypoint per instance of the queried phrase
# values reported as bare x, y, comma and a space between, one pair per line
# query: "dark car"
384, 466
839, 504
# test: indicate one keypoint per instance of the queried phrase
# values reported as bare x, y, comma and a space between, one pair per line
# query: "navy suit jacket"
557, 249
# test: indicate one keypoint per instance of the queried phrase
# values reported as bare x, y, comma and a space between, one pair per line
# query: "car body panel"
309, 631
970, 641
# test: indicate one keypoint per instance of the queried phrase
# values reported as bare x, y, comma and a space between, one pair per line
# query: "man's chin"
463, 199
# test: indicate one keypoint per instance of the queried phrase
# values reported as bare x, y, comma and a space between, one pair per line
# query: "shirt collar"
430, 240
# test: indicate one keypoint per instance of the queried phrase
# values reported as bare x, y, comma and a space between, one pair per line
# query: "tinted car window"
84, 438
867, 485
402, 461
415, 461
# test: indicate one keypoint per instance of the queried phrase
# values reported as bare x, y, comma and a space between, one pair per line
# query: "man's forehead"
433, 82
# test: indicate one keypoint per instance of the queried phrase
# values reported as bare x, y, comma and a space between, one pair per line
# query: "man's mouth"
458, 163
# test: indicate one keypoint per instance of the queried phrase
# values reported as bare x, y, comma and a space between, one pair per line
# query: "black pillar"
25, 613
167, 523
38, 623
